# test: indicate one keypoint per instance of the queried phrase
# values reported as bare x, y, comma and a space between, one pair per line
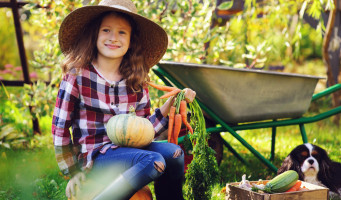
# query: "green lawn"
30, 174
34, 174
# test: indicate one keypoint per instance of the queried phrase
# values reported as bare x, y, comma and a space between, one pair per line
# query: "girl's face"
113, 38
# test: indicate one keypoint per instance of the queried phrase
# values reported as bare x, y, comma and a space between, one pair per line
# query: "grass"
34, 174
30, 174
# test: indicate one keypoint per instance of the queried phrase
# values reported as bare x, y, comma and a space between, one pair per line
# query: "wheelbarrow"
244, 99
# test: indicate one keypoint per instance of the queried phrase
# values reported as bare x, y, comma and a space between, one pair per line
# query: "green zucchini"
282, 182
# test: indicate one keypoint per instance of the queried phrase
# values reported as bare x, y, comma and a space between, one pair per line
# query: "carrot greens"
202, 173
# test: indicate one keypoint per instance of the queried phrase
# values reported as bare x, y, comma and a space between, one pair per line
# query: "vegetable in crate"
282, 182
129, 130
296, 187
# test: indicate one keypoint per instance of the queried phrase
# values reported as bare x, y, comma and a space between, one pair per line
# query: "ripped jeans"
162, 163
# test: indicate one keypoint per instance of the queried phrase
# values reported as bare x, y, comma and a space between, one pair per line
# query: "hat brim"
153, 38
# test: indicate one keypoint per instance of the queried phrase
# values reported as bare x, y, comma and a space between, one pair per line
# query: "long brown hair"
84, 50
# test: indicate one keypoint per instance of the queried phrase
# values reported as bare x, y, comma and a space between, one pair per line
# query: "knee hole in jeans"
177, 153
159, 166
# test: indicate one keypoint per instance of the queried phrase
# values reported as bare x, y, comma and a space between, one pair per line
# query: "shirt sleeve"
159, 122
67, 97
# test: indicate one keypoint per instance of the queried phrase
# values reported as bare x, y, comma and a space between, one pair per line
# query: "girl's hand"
71, 185
189, 95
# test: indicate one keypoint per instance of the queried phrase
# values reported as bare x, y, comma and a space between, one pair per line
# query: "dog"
313, 165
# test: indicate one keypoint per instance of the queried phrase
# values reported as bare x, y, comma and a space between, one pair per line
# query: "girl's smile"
113, 46
113, 38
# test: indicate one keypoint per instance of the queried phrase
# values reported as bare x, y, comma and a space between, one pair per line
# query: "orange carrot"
169, 94
189, 128
296, 187
171, 122
161, 87
177, 127
183, 108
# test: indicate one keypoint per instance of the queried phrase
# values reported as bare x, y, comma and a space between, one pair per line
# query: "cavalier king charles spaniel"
314, 166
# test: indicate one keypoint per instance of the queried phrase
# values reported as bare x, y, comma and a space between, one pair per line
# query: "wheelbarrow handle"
327, 91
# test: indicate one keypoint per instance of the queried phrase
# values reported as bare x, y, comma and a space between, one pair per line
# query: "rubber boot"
120, 189
168, 189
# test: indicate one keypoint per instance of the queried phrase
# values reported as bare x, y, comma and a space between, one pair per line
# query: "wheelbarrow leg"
234, 152
273, 142
239, 138
254, 151
303, 133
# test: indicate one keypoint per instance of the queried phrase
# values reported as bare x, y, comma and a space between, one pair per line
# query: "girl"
109, 50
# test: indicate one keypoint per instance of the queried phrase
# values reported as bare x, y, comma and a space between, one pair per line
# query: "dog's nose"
311, 161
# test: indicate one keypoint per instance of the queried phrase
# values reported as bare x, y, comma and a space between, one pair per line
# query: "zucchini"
282, 182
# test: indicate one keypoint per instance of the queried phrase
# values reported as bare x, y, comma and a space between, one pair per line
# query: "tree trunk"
35, 123
326, 58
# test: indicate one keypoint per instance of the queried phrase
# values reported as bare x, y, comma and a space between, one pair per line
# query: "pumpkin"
143, 194
129, 130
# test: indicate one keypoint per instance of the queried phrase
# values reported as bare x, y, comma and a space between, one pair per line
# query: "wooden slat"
18, 83
13, 83
9, 4
20, 41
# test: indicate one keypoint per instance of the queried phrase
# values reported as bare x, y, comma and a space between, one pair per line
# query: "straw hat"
153, 38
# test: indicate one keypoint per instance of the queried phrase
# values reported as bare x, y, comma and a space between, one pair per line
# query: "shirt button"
112, 103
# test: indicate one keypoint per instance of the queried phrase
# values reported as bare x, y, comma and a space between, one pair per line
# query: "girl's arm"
61, 123
142, 109
166, 106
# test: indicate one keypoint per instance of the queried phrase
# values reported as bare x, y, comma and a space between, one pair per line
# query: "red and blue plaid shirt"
85, 103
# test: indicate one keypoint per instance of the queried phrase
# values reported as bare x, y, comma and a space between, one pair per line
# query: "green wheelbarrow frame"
224, 127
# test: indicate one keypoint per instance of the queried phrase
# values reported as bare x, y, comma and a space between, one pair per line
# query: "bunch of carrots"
177, 113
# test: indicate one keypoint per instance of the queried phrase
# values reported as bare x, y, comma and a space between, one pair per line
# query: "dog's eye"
314, 153
304, 153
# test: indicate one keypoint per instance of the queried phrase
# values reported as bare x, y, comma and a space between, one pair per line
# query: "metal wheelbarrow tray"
244, 95
243, 99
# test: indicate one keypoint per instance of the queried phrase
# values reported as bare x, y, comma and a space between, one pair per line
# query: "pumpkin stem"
131, 109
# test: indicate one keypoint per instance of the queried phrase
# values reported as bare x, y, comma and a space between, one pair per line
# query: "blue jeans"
139, 168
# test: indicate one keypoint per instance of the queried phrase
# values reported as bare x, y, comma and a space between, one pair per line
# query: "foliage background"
285, 40
270, 33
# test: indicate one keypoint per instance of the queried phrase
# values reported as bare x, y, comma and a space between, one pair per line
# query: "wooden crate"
233, 192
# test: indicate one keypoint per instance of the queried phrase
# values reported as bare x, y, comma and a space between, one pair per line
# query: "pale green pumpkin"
129, 130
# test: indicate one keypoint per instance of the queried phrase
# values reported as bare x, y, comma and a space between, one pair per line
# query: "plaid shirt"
85, 102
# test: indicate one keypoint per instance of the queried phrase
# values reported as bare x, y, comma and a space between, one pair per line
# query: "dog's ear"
291, 163
325, 172
325, 175
324, 163
324, 156
328, 172
286, 165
